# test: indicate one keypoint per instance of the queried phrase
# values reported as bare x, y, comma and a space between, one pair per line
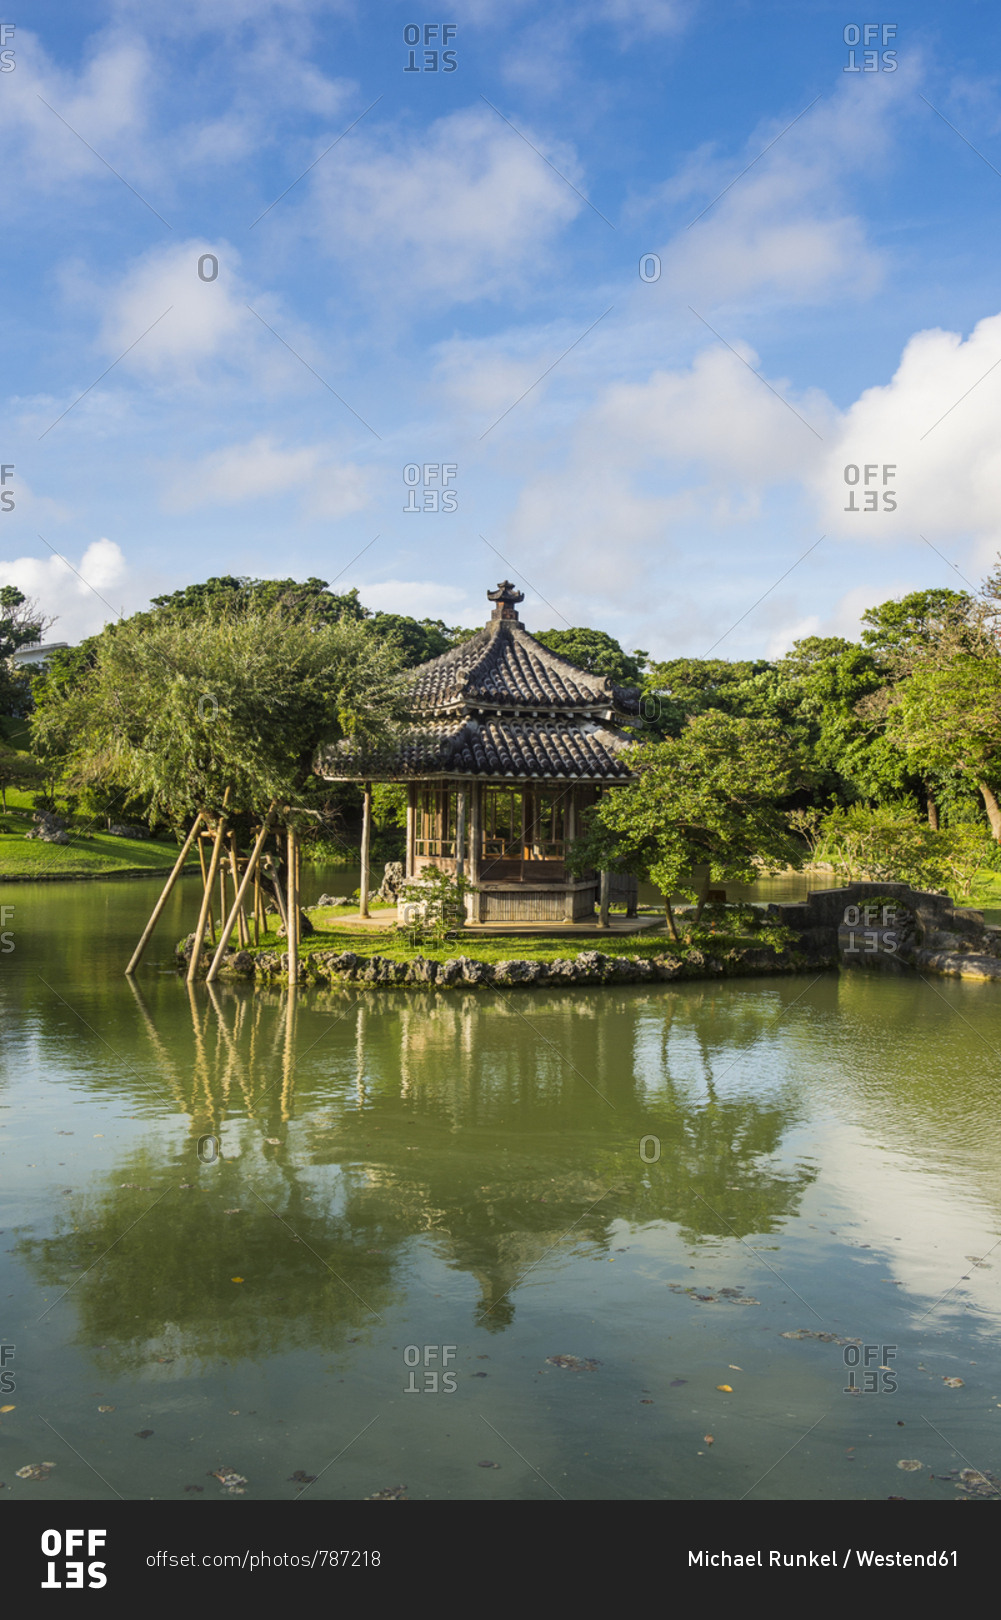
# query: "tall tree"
708, 798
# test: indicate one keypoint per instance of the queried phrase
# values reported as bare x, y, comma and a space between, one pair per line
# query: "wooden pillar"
476, 847
292, 904
524, 793
460, 842
411, 828
460, 833
606, 889
366, 841
569, 834
168, 886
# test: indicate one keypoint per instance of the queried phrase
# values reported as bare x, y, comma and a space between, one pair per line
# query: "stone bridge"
893, 928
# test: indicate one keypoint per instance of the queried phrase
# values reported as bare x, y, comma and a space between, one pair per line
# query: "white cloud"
463, 209
83, 594
937, 422
260, 468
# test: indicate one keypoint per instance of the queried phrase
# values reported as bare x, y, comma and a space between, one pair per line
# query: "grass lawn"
88, 856
336, 931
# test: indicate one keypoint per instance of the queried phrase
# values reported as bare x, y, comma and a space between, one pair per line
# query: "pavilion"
509, 744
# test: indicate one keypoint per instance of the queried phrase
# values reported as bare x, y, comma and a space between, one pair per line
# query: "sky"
683, 315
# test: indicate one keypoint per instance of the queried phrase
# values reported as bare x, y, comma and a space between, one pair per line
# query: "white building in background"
36, 652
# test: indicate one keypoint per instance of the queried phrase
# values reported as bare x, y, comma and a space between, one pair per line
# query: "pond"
702, 1241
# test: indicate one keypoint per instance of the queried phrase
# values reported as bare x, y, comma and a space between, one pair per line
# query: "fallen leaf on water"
228, 1478
236, 1279
6, 1408
953, 1383
726, 1388
677, 1382
302, 1478
910, 1465
488, 1465
708, 1438
143, 1434
395, 1493
734, 1368
576, 1363
645, 1400
106, 1409
35, 1470
273, 1141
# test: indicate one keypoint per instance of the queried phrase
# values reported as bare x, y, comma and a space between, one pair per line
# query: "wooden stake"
366, 840
205, 881
158, 908
241, 891
241, 921
292, 902
196, 944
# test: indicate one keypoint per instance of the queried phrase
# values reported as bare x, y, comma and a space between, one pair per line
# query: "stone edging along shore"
885, 927
587, 968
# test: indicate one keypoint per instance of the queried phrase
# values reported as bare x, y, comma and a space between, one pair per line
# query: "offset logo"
59, 1547
7, 63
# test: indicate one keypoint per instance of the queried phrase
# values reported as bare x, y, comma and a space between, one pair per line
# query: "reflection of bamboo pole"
288, 1057
292, 903
241, 891
168, 886
157, 1042
196, 947
222, 888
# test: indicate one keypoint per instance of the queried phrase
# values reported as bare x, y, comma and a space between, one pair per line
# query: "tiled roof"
503, 667
526, 749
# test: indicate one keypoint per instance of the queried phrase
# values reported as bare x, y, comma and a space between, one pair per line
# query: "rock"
449, 972
392, 880
128, 829
475, 972
668, 967
49, 828
333, 900
241, 963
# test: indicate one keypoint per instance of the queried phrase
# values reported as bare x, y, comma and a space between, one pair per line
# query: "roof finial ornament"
505, 597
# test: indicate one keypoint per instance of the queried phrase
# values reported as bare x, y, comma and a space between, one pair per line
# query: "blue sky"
428, 269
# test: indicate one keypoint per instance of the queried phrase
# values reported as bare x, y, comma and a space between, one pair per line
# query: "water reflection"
351, 1126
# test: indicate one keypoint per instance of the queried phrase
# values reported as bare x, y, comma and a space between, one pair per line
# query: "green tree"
179, 709
597, 652
707, 799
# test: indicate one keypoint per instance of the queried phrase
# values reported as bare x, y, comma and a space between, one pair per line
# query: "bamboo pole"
257, 903
292, 903
241, 891
366, 840
196, 945
241, 921
205, 881
158, 908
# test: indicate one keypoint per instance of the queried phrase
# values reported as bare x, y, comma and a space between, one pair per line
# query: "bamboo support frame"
196, 944
251, 872
164, 895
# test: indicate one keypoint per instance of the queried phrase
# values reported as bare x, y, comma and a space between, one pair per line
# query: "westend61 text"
863, 1558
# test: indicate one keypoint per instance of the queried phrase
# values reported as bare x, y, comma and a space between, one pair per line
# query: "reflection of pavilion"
510, 744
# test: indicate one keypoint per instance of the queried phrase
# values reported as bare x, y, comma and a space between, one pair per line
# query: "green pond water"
235, 1219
